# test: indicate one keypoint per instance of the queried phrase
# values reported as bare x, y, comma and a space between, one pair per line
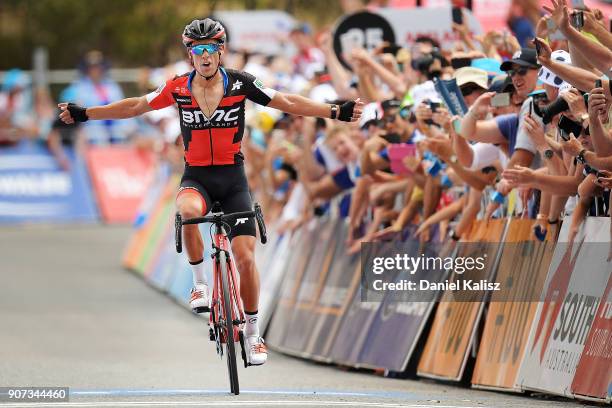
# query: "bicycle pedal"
200, 310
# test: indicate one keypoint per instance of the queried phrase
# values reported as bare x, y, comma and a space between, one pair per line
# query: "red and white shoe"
257, 352
199, 299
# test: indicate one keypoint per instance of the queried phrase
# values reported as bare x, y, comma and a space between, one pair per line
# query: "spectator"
95, 87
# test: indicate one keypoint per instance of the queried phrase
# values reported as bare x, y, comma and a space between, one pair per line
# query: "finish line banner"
33, 188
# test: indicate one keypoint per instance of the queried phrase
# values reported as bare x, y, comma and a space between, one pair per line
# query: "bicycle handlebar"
223, 218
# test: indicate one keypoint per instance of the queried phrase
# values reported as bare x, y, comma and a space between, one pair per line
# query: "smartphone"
457, 15
501, 100
434, 106
538, 46
397, 152
531, 108
578, 4
577, 20
598, 83
569, 126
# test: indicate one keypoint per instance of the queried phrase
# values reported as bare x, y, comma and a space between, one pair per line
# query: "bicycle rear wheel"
228, 312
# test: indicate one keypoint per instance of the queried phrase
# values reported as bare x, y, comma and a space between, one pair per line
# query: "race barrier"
523, 265
569, 307
107, 184
454, 327
34, 189
121, 176
552, 335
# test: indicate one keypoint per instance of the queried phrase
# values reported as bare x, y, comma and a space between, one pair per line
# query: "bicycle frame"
221, 244
226, 308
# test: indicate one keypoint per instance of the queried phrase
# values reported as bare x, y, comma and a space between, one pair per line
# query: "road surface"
71, 316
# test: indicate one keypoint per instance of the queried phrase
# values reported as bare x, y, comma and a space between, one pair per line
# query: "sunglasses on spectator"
520, 71
469, 89
209, 48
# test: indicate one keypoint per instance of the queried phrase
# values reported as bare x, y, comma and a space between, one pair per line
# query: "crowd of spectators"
534, 142
537, 123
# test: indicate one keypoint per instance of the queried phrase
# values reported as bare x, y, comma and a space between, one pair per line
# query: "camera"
577, 20
559, 105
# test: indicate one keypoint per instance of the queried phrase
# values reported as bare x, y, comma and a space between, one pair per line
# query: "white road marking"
224, 403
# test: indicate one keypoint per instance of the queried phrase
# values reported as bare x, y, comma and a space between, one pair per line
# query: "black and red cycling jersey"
215, 140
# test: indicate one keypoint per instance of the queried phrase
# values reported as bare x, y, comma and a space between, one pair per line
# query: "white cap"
547, 76
372, 111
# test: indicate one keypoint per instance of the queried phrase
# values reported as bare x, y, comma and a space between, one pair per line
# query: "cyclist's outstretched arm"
302, 106
125, 108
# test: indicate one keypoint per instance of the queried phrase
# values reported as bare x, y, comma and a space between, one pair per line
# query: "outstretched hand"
559, 13
351, 111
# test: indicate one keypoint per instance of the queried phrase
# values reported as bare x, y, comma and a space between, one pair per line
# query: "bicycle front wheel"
228, 313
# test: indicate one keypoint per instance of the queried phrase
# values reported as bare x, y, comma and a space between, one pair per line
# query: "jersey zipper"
211, 146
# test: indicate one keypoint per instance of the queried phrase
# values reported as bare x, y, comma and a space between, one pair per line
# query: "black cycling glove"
346, 111
77, 112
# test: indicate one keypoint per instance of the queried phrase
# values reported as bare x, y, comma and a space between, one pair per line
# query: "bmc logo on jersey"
197, 116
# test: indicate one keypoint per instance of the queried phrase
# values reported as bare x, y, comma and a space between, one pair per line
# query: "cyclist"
211, 100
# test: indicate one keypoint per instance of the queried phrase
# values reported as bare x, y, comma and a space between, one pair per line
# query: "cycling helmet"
203, 30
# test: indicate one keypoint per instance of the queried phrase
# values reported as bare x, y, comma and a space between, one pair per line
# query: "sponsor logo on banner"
361, 30
33, 188
121, 177
594, 372
568, 308
523, 264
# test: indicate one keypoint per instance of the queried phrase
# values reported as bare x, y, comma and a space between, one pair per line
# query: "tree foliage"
131, 32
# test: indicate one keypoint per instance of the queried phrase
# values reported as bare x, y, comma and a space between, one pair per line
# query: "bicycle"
226, 307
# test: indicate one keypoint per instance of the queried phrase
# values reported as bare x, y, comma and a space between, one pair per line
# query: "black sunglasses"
521, 71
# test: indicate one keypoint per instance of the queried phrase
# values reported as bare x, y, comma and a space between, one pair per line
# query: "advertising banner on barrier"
271, 276
455, 323
523, 267
33, 188
576, 281
303, 320
593, 377
355, 323
138, 252
163, 269
148, 210
302, 245
121, 176
335, 297
402, 315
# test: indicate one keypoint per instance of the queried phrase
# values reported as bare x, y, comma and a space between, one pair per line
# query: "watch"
548, 153
334, 111
580, 156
